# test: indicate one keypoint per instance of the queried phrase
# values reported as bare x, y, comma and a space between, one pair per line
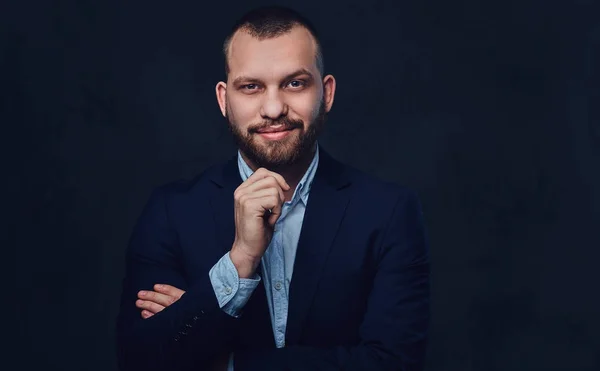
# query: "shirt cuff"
232, 292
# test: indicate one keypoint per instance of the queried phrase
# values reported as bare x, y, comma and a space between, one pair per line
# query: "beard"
275, 155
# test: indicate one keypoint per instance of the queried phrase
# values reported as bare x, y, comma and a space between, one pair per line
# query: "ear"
221, 91
328, 91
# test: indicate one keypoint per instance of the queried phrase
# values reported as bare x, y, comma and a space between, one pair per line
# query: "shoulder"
388, 206
201, 186
361, 183
383, 203
379, 190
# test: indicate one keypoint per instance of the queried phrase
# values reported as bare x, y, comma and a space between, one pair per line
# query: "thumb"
273, 218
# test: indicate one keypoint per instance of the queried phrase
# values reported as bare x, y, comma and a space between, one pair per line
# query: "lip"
275, 135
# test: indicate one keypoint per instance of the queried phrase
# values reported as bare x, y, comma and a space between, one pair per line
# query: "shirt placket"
277, 287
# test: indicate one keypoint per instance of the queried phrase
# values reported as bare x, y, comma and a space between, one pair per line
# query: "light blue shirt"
277, 263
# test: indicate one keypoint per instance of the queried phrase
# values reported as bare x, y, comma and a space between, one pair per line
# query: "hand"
152, 302
257, 206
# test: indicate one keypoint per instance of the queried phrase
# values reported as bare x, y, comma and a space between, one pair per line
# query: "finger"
157, 297
169, 290
269, 184
265, 183
146, 314
149, 306
273, 217
264, 173
270, 204
266, 192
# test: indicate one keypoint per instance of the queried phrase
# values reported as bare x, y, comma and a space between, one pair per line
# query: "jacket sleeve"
394, 329
188, 335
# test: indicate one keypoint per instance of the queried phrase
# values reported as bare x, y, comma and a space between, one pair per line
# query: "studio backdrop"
489, 110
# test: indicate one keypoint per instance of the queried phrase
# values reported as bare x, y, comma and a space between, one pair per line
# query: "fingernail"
159, 287
142, 293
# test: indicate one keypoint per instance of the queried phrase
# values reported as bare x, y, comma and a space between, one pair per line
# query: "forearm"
192, 331
189, 333
232, 291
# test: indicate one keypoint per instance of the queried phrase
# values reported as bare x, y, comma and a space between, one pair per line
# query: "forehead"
272, 57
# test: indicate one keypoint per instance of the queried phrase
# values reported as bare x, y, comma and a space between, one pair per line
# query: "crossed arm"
176, 327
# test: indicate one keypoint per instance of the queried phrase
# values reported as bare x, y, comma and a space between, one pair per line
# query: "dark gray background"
490, 110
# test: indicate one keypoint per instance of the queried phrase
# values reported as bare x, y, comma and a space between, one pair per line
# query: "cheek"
243, 111
305, 107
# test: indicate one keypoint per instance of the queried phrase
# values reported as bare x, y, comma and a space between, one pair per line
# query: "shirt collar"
303, 188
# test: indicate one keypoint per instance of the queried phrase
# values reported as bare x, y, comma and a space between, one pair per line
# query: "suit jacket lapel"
227, 178
324, 212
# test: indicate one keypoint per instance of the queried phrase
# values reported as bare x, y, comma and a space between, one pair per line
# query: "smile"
275, 135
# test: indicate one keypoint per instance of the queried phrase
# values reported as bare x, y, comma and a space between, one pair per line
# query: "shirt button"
228, 290
278, 285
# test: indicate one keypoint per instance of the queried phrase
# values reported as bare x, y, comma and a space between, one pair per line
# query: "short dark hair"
270, 22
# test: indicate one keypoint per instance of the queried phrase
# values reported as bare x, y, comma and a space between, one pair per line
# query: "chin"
277, 157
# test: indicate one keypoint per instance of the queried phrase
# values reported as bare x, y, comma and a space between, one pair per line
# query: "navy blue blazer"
359, 297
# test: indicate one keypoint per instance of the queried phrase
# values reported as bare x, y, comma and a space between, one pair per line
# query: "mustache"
286, 123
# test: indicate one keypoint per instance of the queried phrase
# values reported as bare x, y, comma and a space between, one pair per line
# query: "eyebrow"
301, 71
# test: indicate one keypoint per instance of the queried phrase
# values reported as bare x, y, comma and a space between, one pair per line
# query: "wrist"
244, 264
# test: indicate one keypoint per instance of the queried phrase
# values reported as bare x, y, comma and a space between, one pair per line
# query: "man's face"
274, 98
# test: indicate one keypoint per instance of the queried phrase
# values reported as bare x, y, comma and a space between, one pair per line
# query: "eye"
296, 83
249, 87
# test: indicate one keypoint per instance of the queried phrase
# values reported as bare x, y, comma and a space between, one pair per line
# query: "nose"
273, 106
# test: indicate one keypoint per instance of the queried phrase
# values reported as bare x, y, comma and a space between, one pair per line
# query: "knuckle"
249, 204
165, 300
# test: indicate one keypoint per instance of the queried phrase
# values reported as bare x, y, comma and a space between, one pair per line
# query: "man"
282, 258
